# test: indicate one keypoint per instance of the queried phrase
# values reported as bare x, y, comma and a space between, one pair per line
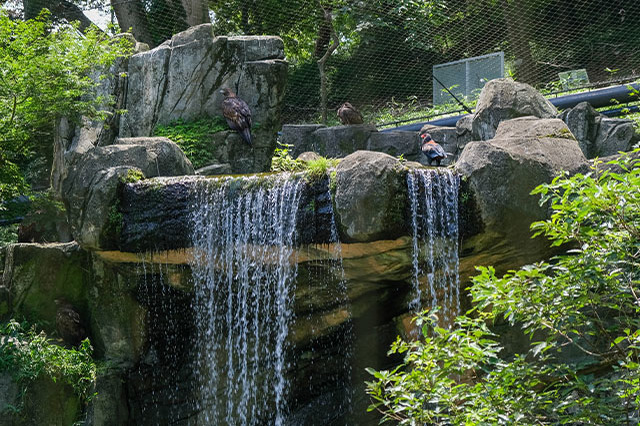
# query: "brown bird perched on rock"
68, 324
432, 150
237, 113
348, 114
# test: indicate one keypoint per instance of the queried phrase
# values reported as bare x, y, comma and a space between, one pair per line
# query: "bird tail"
246, 135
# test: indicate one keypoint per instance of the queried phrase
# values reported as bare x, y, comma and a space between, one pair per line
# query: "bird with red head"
431, 149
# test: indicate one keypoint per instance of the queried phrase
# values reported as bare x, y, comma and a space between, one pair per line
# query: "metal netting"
387, 49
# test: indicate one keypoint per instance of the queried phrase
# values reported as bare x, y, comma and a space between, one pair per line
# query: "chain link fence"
380, 54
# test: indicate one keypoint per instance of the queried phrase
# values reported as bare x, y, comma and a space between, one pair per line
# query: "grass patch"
320, 167
194, 137
282, 161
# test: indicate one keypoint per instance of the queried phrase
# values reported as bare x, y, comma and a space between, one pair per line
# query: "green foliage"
132, 176
194, 137
581, 312
45, 73
114, 222
319, 167
283, 162
8, 234
29, 355
313, 169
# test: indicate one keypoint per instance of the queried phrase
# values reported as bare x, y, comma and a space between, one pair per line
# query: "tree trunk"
517, 16
60, 9
197, 12
132, 17
322, 62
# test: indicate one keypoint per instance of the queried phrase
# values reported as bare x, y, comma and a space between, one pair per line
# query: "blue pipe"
597, 98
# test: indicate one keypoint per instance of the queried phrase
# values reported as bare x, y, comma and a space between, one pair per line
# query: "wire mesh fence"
380, 54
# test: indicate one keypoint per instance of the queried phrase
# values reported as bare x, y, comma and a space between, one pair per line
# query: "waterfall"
433, 196
244, 275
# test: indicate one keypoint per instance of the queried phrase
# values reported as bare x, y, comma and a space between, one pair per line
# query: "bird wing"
439, 150
237, 113
433, 150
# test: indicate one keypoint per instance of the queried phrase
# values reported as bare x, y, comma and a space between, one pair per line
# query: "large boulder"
92, 182
582, 120
46, 402
370, 198
117, 318
181, 79
614, 135
503, 99
502, 172
337, 141
597, 135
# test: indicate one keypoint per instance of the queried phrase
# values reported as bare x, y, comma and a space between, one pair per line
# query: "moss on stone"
132, 176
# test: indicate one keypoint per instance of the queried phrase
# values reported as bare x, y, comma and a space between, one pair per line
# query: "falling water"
433, 197
244, 274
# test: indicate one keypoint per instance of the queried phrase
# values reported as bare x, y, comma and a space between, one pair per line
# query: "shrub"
28, 355
581, 312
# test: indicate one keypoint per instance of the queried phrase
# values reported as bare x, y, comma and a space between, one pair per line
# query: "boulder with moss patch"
370, 197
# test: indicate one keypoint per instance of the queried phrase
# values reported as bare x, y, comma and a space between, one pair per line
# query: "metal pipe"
597, 98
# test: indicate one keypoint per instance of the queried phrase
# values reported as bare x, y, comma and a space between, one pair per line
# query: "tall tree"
132, 17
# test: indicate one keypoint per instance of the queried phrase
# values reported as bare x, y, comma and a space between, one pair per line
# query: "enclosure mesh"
387, 48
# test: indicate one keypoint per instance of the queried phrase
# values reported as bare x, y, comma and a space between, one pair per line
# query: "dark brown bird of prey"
432, 150
237, 113
68, 324
349, 115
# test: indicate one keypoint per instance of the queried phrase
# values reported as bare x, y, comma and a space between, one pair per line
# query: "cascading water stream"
433, 196
244, 274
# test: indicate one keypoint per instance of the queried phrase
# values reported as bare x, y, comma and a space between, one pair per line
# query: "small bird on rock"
348, 114
237, 113
432, 150
68, 324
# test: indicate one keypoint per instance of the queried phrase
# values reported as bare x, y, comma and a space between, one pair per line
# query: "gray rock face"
90, 188
340, 141
300, 137
502, 172
181, 79
598, 135
215, 169
503, 99
614, 135
308, 156
37, 274
396, 143
370, 197
533, 127
582, 120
